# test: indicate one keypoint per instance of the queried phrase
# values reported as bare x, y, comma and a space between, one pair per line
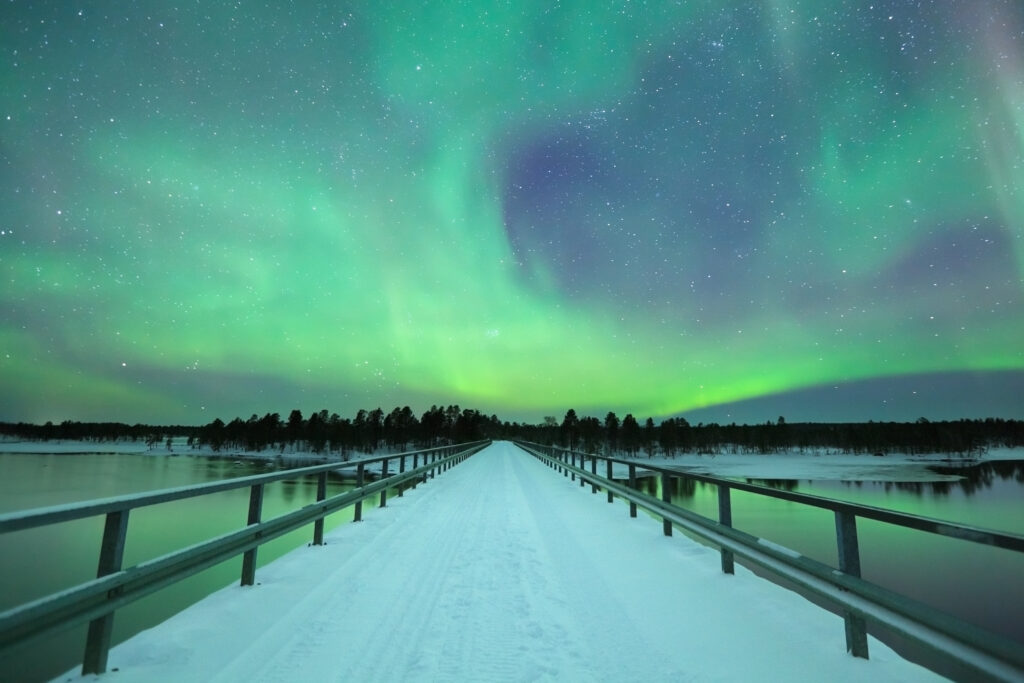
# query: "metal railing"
114, 587
972, 651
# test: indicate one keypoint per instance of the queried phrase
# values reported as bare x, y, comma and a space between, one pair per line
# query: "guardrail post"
384, 475
401, 469
583, 466
321, 493
358, 516
632, 485
611, 498
593, 470
725, 519
572, 461
255, 513
97, 642
849, 563
666, 479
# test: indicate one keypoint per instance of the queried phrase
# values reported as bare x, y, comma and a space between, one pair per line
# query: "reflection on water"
974, 478
781, 484
983, 475
288, 490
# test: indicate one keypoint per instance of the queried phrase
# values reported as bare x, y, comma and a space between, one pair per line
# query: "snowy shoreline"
807, 465
832, 466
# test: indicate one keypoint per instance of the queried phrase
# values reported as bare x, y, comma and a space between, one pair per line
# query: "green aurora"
517, 207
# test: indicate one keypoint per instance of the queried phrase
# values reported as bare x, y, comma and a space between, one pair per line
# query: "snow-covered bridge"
501, 571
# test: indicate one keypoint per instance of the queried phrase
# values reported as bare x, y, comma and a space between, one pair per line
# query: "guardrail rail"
96, 601
974, 652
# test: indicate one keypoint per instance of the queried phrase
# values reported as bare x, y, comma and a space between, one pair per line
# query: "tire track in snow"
352, 614
409, 639
594, 599
448, 590
502, 636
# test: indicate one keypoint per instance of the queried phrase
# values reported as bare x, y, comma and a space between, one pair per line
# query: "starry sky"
709, 208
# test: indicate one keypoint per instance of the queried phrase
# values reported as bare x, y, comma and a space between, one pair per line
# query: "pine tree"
611, 428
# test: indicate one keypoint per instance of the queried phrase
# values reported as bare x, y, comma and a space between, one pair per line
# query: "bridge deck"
501, 570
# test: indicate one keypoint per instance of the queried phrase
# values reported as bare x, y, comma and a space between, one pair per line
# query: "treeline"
368, 431
321, 432
93, 431
676, 435
373, 430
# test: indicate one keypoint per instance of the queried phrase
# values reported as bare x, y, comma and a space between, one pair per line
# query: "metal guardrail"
959, 646
96, 601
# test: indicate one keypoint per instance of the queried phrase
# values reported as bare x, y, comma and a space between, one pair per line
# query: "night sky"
728, 210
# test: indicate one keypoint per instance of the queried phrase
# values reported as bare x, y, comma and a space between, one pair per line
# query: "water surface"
36, 562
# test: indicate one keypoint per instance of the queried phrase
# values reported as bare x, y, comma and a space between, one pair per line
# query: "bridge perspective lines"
499, 570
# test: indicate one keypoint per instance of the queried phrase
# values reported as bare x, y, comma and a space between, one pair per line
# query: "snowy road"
501, 570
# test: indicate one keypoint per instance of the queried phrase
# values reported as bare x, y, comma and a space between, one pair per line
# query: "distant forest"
373, 430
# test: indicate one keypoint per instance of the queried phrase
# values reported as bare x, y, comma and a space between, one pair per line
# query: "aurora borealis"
218, 209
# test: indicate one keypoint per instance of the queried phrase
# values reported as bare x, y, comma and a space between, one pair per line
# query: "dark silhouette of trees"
451, 415
339, 434
630, 435
361, 431
294, 427
570, 429
467, 426
432, 426
268, 431
375, 428
668, 438
649, 437
611, 431
216, 435
591, 435
399, 430
316, 431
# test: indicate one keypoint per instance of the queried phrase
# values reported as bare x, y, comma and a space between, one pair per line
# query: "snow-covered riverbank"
179, 446
829, 466
807, 465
